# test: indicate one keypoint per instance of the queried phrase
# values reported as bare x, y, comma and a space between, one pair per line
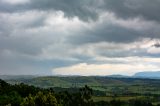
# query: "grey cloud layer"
71, 8
85, 9
132, 8
45, 34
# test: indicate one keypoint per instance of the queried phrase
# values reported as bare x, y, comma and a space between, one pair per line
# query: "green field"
110, 86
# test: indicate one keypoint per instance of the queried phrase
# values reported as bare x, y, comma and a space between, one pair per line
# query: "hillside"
54, 81
109, 84
26, 95
148, 74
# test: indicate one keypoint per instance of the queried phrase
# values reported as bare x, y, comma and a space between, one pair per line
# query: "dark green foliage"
28, 101
40, 100
82, 98
116, 103
158, 104
24, 90
12, 97
140, 103
122, 103
26, 95
102, 103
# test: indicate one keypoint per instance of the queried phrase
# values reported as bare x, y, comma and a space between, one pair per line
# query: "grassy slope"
107, 84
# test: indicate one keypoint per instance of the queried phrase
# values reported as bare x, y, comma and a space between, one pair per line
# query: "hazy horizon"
79, 37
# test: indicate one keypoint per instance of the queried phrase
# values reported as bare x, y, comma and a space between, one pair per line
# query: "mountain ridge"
148, 74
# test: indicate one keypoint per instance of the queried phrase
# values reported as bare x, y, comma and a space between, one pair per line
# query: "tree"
86, 95
40, 100
28, 101
51, 100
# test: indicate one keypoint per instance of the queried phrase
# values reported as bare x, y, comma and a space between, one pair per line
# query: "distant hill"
149, 74
13, 77
118, 76
96, 82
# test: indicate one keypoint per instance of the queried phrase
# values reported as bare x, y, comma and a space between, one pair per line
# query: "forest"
28, 95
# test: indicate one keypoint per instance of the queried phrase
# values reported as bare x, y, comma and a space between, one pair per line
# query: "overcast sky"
79, 37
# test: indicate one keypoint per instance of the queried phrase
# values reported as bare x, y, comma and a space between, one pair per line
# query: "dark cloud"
82, 9
134, 8
89, 9
104, 33
157, 45
22, 45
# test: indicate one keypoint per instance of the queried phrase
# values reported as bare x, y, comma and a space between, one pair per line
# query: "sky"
79, 37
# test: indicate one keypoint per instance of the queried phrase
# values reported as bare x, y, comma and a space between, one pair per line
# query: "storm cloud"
49, 36
85, 9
